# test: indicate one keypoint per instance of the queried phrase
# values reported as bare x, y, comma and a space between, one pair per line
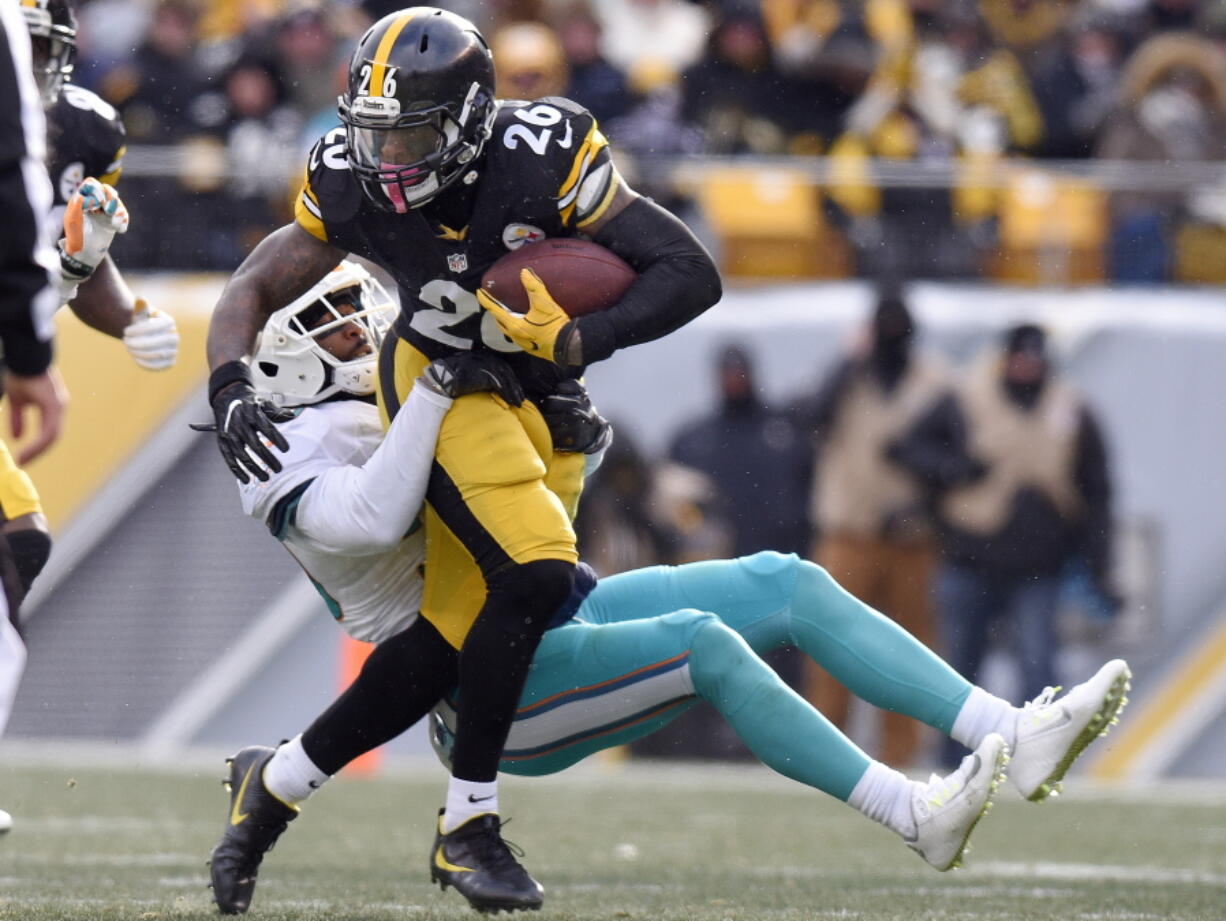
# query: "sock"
884, 795
779, 726
290, 775
467, 798
983, 713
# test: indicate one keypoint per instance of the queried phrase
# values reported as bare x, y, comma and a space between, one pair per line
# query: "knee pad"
31, 549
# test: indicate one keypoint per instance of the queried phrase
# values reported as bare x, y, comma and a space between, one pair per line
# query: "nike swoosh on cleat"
443, 864
236, 817
479, 799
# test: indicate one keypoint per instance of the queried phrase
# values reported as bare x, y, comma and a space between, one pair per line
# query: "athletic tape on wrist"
232, 372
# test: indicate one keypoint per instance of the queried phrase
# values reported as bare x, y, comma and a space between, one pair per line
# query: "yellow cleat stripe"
443, 864
236, 817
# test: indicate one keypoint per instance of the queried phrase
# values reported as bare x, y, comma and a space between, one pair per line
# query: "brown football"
583, 277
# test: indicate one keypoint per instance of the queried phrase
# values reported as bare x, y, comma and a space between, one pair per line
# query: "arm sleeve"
355, 511
677, 280
27, 300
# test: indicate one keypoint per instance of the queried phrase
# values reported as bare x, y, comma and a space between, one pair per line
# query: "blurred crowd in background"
971, 504
963, 89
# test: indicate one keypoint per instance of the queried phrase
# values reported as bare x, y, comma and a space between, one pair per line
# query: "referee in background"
27, 299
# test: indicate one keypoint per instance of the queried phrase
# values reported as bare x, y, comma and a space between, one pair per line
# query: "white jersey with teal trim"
345, 506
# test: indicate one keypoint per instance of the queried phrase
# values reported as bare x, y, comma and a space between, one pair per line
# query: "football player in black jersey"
85, 139
433, 179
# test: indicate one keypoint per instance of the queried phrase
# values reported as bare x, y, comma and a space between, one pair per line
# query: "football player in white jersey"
622, 659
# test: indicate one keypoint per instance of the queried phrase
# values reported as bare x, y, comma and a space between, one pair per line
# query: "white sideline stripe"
1094, 871
217, 685
154, 457
1182, 729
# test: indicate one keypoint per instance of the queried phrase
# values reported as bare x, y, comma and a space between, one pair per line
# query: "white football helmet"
290, 368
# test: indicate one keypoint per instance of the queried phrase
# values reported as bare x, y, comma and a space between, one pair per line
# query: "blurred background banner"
992, 164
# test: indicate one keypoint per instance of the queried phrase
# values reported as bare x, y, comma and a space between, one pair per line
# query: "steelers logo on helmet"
325, 342
53, 44
419, 106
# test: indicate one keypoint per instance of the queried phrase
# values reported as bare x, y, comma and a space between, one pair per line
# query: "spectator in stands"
756, 458
1173, 109
874, 532
1074, 84
158, 91
1171, 15
530, 61
307, 50
1019, 474
594, 82
655, 36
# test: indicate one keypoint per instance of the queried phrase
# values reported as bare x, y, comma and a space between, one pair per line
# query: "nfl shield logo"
457, 262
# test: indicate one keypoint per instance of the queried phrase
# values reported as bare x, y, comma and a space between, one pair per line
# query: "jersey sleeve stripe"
600, 209
592, 144
385, 48
307, 216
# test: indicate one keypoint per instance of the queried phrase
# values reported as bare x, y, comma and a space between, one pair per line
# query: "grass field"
634, 842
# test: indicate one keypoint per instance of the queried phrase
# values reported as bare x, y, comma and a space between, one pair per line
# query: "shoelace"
494, 850
1033, 710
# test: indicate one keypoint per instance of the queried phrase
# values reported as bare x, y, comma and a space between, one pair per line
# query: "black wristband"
232, 372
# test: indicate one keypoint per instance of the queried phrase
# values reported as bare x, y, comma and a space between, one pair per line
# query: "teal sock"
779, 727
870, 655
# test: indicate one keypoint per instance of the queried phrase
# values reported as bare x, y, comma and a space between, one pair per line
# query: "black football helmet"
53, 37
419, 106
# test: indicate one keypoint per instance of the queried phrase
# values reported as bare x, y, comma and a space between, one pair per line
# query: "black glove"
243, 422
573, 422
473, 372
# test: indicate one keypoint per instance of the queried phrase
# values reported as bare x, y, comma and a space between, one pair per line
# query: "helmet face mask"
291, 366
419, 106
53, 40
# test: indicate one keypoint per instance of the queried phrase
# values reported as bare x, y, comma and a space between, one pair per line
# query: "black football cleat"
482, 867
256, 820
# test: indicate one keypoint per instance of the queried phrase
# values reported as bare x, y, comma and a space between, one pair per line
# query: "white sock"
884, 795
290, 775
467, 798
981, 714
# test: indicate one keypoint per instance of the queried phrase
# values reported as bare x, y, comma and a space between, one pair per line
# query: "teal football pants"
650, 643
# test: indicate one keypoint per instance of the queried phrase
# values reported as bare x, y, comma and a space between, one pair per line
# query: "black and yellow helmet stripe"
386, 43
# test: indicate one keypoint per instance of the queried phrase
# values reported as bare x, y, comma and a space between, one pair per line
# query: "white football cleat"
1052, 733
6, 823
947, 809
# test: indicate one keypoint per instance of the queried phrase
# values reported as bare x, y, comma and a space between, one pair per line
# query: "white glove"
93, 216
151, 338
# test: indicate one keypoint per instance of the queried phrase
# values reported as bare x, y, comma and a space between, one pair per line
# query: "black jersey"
545, 172
84, 138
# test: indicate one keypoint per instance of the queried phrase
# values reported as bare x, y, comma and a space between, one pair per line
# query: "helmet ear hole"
268, 368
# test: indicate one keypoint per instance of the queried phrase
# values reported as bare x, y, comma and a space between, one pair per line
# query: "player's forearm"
104, 301
677, 281
283, 266
369, 509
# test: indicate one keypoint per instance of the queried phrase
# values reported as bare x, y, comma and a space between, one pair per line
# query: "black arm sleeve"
935, 449
25, 200
1094, 482
677, 280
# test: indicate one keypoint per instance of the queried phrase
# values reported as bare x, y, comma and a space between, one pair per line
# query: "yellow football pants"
498, 493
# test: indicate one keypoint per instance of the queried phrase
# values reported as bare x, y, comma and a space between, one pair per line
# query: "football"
583, 277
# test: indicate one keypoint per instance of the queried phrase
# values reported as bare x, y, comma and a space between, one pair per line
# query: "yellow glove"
537, 331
